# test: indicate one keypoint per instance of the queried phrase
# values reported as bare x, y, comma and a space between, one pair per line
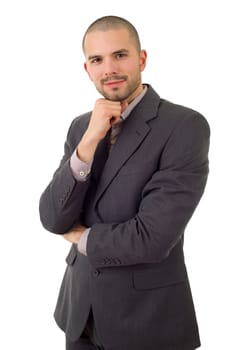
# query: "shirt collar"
134, 103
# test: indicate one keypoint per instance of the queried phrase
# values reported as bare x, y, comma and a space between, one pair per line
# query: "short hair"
113, 22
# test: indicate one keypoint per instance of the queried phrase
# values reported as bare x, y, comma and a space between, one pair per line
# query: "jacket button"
96, 273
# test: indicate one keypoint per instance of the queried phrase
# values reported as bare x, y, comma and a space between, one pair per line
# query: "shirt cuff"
82, 244
79, 168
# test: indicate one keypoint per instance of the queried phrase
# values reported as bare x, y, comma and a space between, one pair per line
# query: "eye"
95, 60
121, 55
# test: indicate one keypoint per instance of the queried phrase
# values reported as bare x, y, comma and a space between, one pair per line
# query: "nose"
110, 67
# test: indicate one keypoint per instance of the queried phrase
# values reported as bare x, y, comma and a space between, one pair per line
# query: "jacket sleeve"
168, 201
61, 203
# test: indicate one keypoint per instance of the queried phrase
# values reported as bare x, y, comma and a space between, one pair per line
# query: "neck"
135, 94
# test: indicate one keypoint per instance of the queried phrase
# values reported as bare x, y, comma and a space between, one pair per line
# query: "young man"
132, 174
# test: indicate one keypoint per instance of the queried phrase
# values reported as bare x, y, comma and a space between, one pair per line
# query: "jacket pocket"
159, 276
71, 257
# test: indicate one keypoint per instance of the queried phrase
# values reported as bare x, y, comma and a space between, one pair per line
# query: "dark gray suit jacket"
137, 201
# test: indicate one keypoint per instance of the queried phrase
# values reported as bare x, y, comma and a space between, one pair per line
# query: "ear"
86, 69
143, 57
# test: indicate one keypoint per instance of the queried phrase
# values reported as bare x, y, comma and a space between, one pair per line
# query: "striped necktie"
115, 131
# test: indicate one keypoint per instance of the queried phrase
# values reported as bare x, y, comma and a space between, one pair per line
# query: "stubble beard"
117, 95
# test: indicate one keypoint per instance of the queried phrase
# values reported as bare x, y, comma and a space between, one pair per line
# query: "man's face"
114, 64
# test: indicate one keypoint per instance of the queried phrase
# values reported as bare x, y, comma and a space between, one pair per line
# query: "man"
132, 174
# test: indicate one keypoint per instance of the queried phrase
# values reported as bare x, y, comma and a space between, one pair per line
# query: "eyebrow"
113, 53
120, 51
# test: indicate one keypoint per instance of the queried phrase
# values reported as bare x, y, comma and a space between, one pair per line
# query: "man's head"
113, 22
114, 59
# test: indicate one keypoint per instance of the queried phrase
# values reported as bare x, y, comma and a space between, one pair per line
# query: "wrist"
86, 148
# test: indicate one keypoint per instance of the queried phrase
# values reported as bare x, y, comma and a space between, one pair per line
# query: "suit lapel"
134, 131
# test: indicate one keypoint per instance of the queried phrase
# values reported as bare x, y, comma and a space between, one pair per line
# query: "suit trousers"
88, 340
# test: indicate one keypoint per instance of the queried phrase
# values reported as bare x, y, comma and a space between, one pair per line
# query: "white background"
43, 86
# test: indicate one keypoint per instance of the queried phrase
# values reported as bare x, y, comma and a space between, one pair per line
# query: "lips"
111, 83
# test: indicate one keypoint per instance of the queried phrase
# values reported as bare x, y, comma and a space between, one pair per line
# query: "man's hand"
104, 115
74, 234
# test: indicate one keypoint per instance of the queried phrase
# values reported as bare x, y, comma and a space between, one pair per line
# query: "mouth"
114, 83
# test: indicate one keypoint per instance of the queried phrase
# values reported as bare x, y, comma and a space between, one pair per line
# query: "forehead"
106, 42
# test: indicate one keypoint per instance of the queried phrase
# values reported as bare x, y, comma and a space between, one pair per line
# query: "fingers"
74, 234
107, 111
105, 114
